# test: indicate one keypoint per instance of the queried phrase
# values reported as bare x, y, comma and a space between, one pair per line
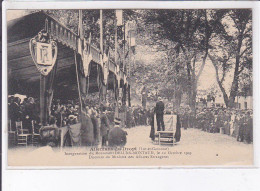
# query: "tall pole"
80, 33
80, 29
124, 46
43, 103
129, 48
101, 32
116, 62
116, 45
43, 92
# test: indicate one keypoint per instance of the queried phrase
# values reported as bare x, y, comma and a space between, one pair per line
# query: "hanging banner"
86, 57
44, 52
106, 67
118, 75
80, 46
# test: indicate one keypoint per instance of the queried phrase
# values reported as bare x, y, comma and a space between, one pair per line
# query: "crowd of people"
26, 110
136, 116
96, 119
234, 122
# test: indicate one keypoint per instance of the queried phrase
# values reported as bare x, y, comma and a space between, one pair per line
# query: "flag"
80, 49
86, 56
106, 67
118, 75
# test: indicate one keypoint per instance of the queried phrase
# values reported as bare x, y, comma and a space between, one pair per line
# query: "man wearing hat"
159, 110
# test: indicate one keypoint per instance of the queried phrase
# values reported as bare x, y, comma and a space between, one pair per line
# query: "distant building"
219, 101
243, 101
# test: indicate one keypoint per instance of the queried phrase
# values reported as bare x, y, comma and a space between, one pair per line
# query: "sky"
14, 14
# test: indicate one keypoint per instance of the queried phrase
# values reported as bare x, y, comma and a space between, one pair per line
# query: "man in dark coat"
104, 128
241, 129
96, 126
248, 131
159, 110
152, 136
177, 135
117, 137
87, 129
15, 113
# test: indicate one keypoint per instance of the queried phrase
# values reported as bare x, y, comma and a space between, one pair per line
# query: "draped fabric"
83, 83
86, 131
50, 134
47, 95
172, 123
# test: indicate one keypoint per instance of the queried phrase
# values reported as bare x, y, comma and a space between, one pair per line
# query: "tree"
235, 43
184, 33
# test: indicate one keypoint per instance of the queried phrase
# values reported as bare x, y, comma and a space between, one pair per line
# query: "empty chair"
11, 135
35, 137
22, 134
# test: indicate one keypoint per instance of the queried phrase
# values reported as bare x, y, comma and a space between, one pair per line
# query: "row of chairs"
21, 136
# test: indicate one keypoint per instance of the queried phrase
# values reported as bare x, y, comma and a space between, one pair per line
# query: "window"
245, 105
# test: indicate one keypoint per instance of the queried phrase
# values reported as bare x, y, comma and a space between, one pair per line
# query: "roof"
23, 76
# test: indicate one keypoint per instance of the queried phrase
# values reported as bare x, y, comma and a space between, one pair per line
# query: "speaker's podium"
166, 137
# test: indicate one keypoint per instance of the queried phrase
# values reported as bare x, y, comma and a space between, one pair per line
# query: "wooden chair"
11, 134
22, 134
35, 137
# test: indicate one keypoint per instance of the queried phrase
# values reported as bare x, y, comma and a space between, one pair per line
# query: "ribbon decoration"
86, 57
106, 67
118, 75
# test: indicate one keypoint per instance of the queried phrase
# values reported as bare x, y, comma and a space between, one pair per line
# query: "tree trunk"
177, 99
193, 96
225, 96
234, 86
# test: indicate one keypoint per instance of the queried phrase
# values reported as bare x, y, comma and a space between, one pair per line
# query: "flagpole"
116, 62
80, 30
101, 52
101, 31
80, 33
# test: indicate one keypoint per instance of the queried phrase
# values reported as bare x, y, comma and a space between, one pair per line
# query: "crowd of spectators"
234, 122
26, 110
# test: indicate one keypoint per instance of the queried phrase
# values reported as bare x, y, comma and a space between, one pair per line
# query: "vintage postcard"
129, 87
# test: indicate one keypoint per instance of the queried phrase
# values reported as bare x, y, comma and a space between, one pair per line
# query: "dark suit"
104, 128
177, 135
159, 110
117, 137
87, 131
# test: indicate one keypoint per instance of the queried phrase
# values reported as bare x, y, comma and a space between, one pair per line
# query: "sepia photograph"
129, 87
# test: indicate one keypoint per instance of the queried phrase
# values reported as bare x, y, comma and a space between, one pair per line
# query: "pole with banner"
80, 78
118, 23
102, 87
44, 51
